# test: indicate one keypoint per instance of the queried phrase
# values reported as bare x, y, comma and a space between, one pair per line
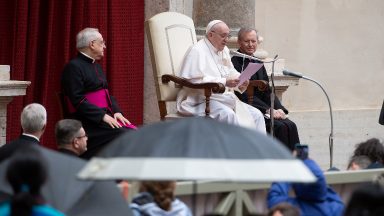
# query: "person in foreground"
209, 61
33, 120
156, 198
284, 129
366, 200
71, 137
26, 174
313, 199
86, 93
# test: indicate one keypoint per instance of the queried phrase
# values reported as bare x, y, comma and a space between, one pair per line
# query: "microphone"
242, 55
290, 73
330, 140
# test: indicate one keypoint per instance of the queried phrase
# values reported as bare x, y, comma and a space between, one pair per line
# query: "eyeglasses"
80, 137
101, 42
223, 36
249, 41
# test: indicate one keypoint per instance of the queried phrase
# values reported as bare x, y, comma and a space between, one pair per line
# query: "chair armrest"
209, 87
261, 85
215, 87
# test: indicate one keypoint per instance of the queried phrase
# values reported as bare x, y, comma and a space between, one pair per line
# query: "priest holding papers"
284, 129
209, 61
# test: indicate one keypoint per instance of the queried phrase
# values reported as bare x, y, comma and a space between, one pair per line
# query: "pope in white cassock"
209, 61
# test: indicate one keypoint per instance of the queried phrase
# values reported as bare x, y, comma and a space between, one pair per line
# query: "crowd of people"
96, 120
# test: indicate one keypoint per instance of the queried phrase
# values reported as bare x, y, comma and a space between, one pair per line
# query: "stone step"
350, 128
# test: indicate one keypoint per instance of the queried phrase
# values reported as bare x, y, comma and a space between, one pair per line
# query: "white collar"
30, 135
93, 60
210, 46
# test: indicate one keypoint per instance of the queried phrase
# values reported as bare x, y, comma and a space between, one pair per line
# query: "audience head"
359, 162
247, 39
162, 192
372, 148
367, 200
26, 174
284, 209
91, 42
70, 135
217, 33
34, 119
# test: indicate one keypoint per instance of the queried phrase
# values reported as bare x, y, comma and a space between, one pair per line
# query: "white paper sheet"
251, 69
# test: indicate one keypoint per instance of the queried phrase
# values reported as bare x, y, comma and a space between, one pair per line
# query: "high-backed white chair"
170, 35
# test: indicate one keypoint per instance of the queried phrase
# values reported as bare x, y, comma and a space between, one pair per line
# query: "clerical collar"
93, 60
30, 135
210, 46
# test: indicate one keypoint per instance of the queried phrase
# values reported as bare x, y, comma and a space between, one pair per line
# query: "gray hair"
66, 130
85, 36
246, 30
362, 161
33, 118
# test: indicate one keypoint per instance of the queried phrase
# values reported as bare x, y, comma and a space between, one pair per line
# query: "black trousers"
99, 136
284, 130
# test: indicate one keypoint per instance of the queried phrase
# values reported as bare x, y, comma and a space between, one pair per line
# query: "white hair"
33, 118
85, 36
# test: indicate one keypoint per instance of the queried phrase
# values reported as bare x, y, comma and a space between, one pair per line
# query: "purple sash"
100, 98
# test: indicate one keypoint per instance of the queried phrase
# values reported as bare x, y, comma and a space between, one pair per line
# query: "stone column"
236, 13
8, 89
3, 118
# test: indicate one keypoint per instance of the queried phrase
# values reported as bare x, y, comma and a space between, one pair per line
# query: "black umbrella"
65, 192
196, 149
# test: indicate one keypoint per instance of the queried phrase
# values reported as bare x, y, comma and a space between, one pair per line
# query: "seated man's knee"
227, 115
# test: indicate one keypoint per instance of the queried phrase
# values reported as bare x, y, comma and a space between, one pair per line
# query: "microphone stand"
285, 72
330, 140
238, 54
272, 96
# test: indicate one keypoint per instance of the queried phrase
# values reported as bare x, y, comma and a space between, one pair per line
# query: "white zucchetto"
211, 24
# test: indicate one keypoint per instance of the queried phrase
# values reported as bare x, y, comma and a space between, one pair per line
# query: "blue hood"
314, 191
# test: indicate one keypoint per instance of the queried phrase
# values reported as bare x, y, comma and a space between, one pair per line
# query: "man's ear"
44, 126
75, 144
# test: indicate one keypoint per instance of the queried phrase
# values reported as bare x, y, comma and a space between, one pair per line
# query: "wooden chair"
262, 85
170, 35
64, 111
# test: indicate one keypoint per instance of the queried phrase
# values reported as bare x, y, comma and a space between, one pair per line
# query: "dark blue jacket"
314, 199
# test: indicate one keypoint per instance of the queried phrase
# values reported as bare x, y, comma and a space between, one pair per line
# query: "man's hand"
114, 121
278, 114
111, 121
244, 86
120, 118
232, 83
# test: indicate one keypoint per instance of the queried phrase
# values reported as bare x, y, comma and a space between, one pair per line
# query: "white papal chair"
170, 35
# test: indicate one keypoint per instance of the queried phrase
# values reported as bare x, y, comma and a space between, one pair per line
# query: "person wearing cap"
209, 61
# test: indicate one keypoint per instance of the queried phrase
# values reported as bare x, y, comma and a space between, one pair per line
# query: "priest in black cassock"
86, 94
284, 129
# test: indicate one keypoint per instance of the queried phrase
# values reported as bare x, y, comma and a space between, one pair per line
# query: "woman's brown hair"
162, 192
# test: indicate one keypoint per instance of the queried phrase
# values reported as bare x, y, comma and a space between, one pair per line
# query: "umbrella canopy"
65, 192
196, 149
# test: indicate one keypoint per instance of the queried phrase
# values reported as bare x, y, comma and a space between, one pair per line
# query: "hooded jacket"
313, 199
